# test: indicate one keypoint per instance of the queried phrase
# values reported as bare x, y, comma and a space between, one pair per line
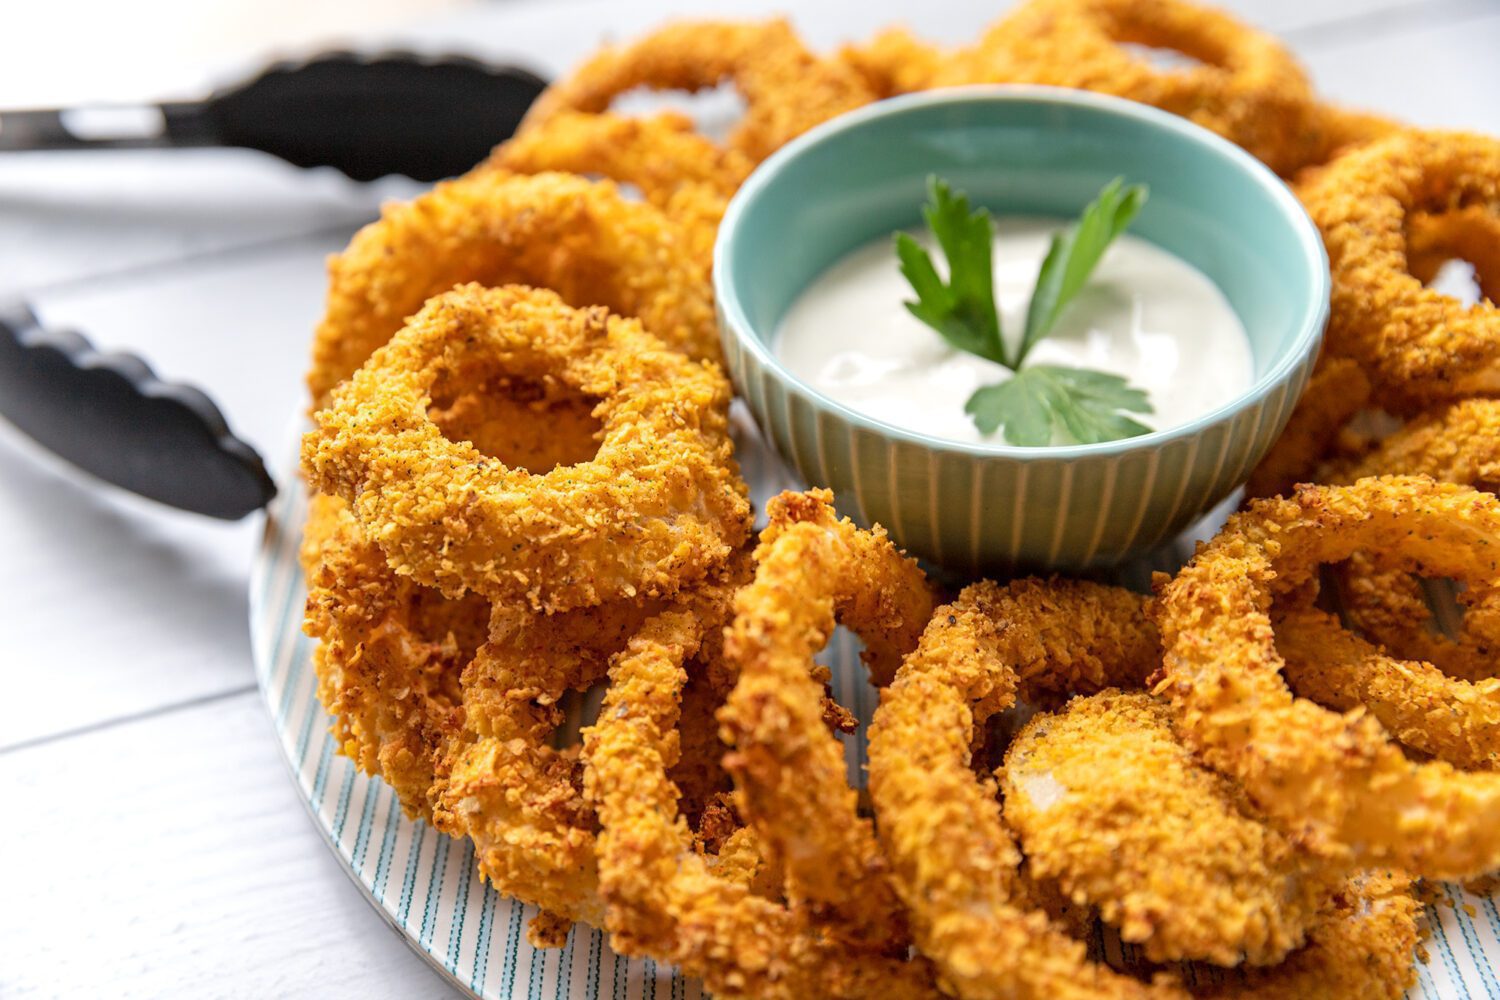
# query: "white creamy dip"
1144, 314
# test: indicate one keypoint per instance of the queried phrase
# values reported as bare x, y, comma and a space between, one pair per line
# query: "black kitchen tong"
367, 116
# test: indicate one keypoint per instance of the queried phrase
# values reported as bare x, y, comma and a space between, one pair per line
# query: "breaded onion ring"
1108, 802
508, 788
579, 238
1248, 89
1452, 720
1361, 950
1333, 780
659, 155
389, 656
667, 900
812, 569
657, 508
1457, 443
1337, 391
787, 89
955, 864
680, 172
1419, 346
1471, 234
894, 62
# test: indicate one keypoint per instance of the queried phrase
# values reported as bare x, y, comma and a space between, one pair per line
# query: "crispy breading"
1247, 86
658, 507
1107, 802
389, 655
1453, 720
580, 238
1418, 346
1333, 780
812, 569
954, 861
1337, 390
787, 89
666, 899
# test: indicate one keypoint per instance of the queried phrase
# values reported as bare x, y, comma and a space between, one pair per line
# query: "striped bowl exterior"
975, 513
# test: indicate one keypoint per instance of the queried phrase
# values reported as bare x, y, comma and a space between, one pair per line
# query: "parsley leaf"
1037, 402
963, 310
1074, 254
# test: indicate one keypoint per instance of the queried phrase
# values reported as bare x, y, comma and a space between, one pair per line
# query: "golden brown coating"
787, 89
1337, 391
580, 238
1246, 85
1458, 443
1391, 607
1108, 802
954, 862
1419, 347
1362, 949
1471, 234
668, 900
1443, 717
658, 507
894, 62
1333, 780
813, 569
511, 790
389, 655
683, 174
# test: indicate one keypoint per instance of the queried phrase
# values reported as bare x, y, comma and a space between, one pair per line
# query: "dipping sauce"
1144, 314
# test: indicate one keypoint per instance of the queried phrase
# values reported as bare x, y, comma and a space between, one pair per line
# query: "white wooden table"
153, 844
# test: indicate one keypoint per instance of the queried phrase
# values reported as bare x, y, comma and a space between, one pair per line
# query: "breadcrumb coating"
1443, 717
1332, 780
1109, 803
813, 569
580, 238
389, 656
787, 89
1420, 347
657, 508
1246, 85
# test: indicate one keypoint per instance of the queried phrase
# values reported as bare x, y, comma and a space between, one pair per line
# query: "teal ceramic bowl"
974, 508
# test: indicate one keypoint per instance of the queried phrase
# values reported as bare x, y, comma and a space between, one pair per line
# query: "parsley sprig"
1039, 402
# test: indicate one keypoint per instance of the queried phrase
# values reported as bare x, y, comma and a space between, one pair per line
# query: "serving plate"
426, 885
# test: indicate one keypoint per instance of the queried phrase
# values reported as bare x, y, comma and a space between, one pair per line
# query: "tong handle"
109, 415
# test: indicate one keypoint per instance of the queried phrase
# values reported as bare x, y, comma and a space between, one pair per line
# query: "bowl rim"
1312, 322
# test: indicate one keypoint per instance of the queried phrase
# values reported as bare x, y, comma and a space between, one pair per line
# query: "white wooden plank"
174, 858
116, 605
71, 216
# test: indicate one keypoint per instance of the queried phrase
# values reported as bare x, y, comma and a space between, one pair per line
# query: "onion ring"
1471, 234
954, 862
1452, 720
787, 89
658, 507
507, 788
1419, 346
1333, 780
1248, 89
894, 62
579, 238
1107, 801
1457, 443
667, 900
813, 569
681, 173
389, 656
